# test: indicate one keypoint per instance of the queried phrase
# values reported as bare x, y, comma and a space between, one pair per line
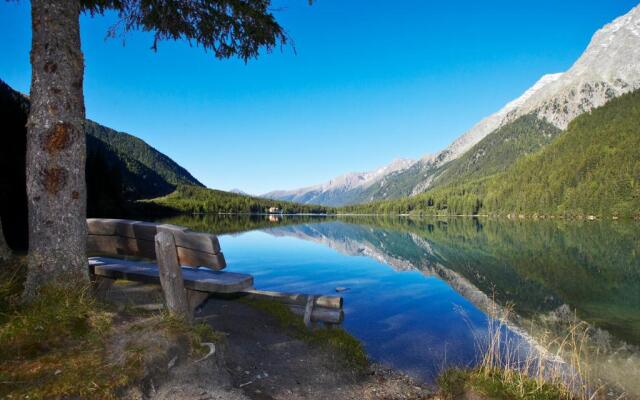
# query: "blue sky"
370, 81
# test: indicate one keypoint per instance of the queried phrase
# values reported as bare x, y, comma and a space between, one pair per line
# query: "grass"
335, 339
553, 370
498, 384
55, 346
63, 345
196, 334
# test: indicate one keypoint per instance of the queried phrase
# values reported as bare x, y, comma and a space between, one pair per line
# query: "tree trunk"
56, 149
5, 251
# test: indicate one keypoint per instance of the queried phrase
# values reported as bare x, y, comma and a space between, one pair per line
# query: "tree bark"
5, 251
56, 149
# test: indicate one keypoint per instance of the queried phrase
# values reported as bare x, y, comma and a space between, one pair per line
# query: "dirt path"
260, 360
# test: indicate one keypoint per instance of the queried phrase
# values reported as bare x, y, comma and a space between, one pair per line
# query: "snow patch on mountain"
344, 183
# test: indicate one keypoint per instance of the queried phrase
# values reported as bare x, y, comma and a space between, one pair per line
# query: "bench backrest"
134, 238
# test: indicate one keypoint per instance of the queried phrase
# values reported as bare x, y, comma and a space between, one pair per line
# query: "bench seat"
199, 279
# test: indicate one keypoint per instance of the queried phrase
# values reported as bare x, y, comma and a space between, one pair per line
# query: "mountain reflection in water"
419, 289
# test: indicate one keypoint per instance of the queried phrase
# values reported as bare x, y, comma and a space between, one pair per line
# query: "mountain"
499, 150
608, 68
342, 190
145, 171
592, 168
120, 168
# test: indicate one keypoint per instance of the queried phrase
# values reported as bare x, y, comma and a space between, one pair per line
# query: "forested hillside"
593, 168
195, 199
145, 171
499, 150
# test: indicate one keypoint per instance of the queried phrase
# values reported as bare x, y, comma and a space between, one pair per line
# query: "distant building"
274, 210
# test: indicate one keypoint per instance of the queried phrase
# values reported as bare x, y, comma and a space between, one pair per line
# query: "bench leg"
195, 299
100, 285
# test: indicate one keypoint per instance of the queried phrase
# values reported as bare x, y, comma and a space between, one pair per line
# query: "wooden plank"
116, 245
201, 279
101, 226
196, 298
127, 228
147, 231
193, 258
334, 302
195, 240
170, 273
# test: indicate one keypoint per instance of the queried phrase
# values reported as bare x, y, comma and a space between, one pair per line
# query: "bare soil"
259, 360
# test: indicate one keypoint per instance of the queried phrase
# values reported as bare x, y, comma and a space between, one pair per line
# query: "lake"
421, 291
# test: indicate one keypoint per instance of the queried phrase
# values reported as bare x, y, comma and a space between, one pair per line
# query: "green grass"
196, 333
62, 345
503, 375
54, 347
498, 384
335, 339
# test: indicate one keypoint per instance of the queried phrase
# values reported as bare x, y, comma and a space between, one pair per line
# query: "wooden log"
320, 314
171, 276
333, 302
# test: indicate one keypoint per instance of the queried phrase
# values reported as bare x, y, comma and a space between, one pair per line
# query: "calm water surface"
420, 290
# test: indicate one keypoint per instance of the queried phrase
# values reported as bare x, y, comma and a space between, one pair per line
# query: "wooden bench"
186, 264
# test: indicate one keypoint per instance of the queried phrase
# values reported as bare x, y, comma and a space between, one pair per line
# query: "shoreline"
510, 217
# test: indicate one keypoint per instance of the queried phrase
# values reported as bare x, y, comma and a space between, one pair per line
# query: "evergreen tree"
56, 149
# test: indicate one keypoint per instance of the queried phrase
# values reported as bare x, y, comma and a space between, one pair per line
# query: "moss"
335, 339
499, 384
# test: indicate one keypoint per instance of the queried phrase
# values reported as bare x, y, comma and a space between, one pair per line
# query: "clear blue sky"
371, 81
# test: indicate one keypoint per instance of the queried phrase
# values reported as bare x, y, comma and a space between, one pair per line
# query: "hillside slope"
594, 168
591, 169
145, 171
499, 150
195, 199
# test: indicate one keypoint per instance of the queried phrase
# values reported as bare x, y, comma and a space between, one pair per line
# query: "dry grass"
67, 344
55, 346
510, 368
